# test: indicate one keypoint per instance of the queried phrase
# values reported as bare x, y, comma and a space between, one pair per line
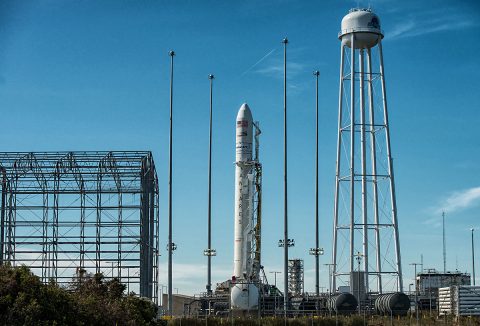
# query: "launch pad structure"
66, 213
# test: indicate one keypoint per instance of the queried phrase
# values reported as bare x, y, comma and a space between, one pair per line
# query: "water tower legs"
365, 212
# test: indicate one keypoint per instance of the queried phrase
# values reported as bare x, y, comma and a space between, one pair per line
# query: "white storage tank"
244, 296
364, 25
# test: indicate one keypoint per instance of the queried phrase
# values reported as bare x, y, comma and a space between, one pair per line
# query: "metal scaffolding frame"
255, 250
94, 212
295, 277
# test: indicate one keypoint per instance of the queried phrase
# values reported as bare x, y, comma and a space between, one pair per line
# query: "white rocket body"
244, 294
243, 192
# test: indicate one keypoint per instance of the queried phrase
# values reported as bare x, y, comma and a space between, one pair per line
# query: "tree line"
89, 300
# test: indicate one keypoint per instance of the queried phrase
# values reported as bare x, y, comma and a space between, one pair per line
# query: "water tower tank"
365, 25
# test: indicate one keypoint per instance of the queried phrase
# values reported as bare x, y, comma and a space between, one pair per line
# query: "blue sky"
93, 75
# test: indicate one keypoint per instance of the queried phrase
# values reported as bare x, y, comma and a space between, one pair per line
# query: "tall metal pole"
329, 276
444, 244
473, 259
275, 277
275, 282
170, 244
359, 260
416, 290
209, 249
317, 245
285, 179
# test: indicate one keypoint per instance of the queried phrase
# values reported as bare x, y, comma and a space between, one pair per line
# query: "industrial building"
459, 300
429, 281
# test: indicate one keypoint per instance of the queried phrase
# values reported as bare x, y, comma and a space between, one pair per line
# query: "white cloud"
276, 69
423, 23
271, 64
258, 62
400, 30
452, 203
459, 200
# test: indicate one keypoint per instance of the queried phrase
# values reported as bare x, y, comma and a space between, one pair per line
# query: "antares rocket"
244, 293
243, 190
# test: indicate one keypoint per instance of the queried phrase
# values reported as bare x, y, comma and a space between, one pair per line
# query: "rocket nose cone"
244, 113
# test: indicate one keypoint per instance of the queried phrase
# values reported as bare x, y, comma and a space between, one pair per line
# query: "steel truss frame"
365, 209
255, 251
295, 277
63, 213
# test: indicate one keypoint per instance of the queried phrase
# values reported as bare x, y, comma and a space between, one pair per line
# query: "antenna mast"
444, 245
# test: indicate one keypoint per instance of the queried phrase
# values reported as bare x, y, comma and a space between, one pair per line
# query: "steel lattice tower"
366, 235
295, 277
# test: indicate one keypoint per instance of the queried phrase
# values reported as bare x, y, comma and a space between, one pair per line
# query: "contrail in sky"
256, 63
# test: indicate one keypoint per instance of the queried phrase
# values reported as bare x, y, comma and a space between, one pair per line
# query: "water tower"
366, 247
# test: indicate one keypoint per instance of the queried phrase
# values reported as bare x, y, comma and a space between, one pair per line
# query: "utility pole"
276, 290
444, 245
329, 276
359, 257
473, 258
416, 290
275, 277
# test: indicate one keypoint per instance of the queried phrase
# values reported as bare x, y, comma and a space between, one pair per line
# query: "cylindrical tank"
396, 304
342, 303
244, 296
364, 25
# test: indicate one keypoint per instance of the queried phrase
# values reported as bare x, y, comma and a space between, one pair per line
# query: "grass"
325, 321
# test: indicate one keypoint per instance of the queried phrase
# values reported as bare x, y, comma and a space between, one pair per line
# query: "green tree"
90, 300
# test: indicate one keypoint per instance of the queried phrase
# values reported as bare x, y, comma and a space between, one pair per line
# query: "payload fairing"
244, 293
